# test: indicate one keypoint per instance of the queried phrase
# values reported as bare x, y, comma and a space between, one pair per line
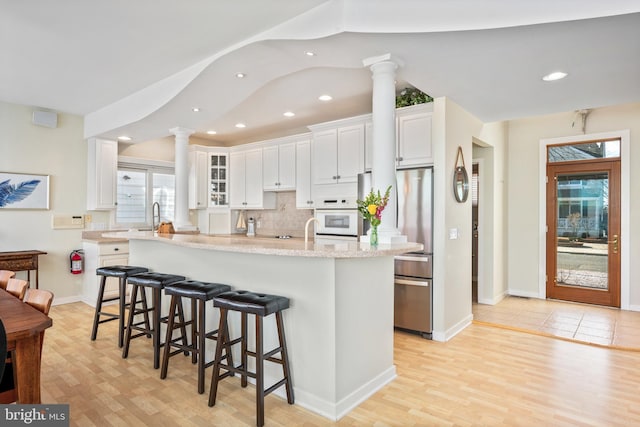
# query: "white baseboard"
494, 300
517, 293
66, 300
335, 411
634, 307
452, 331
361, 394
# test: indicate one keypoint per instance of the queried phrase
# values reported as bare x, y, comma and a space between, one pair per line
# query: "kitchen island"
339, 327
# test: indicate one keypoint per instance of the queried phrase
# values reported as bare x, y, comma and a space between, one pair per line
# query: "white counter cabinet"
101, 254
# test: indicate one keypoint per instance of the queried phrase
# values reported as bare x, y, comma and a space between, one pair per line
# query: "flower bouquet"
371, 209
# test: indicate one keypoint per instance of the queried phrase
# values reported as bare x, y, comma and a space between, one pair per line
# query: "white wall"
490, 150
452, 127
523, 190
60, 153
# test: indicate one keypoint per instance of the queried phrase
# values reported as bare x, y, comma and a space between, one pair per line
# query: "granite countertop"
96, 236
270, 245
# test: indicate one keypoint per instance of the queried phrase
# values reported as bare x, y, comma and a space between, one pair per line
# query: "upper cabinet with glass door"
208, 177
219, 187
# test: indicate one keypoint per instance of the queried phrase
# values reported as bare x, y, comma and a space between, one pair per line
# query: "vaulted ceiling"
138, 68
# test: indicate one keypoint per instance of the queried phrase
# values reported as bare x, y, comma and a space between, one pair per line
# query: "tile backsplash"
285, 219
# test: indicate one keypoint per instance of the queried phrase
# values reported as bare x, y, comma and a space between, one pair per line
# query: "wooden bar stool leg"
285, 358
243, 350
157, 307
201, 340
167, 348
96, 316
259, 373
196, 326
222, 341
122, 288
127, 336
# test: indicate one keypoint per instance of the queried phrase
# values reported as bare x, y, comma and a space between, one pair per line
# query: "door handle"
412, 282
615, 243
412, 258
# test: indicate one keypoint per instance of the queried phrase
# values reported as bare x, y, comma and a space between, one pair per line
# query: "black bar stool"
157, 282
121, 272
260, 305
199, 293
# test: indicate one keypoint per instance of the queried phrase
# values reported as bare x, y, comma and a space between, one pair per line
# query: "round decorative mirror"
461, 184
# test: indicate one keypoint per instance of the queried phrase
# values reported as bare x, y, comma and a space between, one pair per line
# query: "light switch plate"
453, 233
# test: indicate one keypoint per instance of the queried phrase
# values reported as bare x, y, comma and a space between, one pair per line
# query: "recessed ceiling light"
325, 98
211, 132
309, 53
289, 114
556, 75
241, 125
124, 138
195, 109
241, 75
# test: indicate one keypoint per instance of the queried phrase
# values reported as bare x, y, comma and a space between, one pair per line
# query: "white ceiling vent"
45, 118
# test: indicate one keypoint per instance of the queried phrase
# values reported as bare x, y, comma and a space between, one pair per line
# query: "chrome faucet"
155, 207
306, 229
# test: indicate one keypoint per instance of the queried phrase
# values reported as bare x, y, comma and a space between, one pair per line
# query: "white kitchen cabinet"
198, 179
414, 136
304, 199
102, 172
338, 154
245, 181
279, 167
98, 255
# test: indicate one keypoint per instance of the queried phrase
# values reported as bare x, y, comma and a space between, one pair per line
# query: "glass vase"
373, 238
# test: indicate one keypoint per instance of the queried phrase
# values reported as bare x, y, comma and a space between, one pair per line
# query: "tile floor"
579, 322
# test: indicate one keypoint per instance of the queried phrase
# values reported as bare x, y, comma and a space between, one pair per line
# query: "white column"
383, 69
181, 219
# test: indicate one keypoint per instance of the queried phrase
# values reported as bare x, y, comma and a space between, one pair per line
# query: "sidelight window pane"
582, 151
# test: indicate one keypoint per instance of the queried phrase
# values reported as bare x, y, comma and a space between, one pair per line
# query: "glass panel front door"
583, 238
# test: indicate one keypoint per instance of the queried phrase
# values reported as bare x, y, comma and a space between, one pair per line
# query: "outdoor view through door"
583, 220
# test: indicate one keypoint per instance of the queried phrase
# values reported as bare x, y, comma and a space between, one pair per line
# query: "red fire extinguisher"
76, 260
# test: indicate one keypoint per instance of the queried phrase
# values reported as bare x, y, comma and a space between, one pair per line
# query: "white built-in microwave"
337, 222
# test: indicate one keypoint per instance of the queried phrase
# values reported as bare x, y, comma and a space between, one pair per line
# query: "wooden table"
21, 261
24, 325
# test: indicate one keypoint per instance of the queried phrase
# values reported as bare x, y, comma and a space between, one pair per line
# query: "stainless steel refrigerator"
413, 271
413, 295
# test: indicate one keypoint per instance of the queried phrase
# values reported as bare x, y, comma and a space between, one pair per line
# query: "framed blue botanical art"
24, 191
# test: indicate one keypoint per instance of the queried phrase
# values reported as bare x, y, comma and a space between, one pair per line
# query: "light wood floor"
580, 322
485, 376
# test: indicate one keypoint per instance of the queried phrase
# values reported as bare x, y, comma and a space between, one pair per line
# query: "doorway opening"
475, 188
583, 222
